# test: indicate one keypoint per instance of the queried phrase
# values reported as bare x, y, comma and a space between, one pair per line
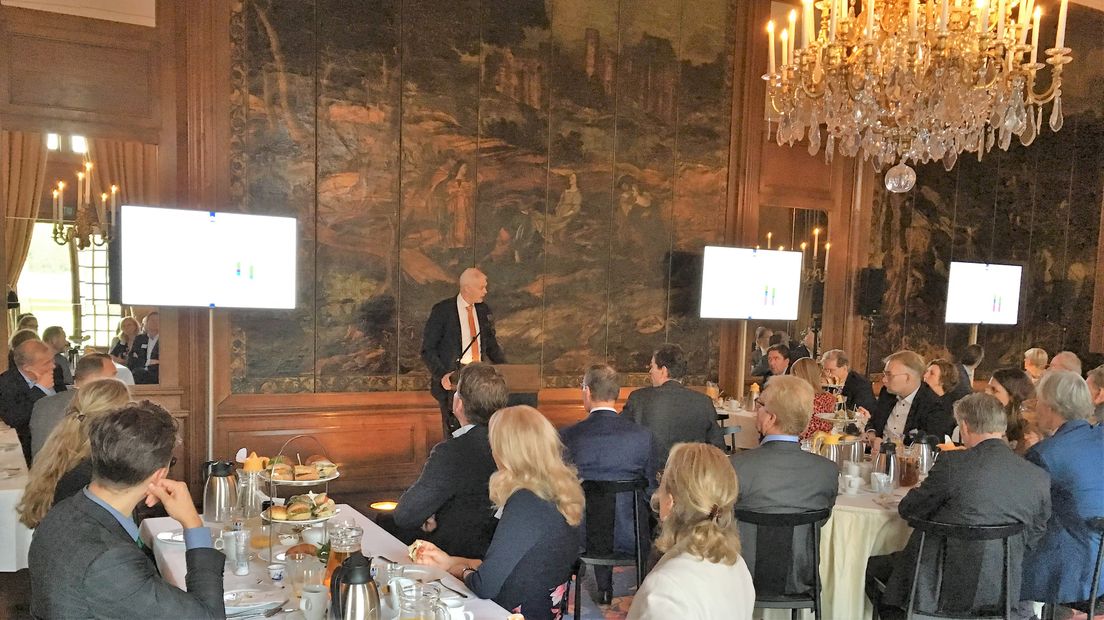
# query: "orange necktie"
474, 331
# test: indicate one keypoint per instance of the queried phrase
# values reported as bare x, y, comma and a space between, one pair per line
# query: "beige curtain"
22, 179
130, 165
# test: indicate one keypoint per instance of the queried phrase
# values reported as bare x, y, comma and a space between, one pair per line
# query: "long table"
15, 538
376, 541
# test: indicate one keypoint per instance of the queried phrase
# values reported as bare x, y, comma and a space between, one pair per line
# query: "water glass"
303, 569
421, 601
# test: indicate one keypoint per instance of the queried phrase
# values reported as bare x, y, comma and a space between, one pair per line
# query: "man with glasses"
779, 477
906, 403
86, 559
856, 388
606, 446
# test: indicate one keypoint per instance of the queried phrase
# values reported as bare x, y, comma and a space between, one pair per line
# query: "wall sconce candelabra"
92, 222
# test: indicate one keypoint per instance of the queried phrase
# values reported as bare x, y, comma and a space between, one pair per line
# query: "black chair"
945, 532
1089, 606
773, 566
731, 431
601, 511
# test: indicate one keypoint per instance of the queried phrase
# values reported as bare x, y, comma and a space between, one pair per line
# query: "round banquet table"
861, 526
15, 538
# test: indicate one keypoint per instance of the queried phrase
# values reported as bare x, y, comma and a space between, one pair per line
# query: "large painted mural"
1039, 207
576, 151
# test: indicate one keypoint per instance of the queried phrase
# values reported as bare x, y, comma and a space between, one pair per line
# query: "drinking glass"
344, 542
910, 470
421, 601
303, 569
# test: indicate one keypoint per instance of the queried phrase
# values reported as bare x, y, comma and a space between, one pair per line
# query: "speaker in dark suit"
459, 330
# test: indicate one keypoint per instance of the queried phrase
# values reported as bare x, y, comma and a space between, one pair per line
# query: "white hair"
1066, 393
1066, 360
470, 276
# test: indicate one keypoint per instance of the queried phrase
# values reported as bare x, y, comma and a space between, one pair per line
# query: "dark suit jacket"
442, 346
779, 477
606, 446
858, 392
964, 388
972, 487
928, 413
1061, 567
674, 413
46, 414
453, 486
136, 361
83, 564
16, 404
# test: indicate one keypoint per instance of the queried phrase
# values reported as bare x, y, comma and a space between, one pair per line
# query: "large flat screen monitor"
745, 283
177, 257
982, 293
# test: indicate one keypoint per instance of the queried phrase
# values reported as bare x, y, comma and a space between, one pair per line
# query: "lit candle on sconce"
770, 44
769, 240
781, 248
57, 209
803, 246
983, 16
827, 247
80, 192
101, 211
785, 38
944, 16
114, 202
816, 242
1035, 35
793, 33
807, 22
1000, 19
61, 201
869, 9
88, 183
1060, 40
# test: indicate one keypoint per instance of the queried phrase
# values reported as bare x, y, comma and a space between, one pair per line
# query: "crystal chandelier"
911, 81
90, 225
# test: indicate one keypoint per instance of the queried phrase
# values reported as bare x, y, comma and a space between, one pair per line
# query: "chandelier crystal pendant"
912, 81
92, 221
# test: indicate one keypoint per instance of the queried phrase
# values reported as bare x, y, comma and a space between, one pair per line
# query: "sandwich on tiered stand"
299, 489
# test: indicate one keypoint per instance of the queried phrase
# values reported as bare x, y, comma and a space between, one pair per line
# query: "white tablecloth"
748, 437
15, 538
171, 563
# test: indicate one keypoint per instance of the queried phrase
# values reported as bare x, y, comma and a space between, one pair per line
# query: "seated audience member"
30, 378
529, 562
144, 361
942, 377
780, 337
1014, 389
701, 574
856, 388
448, 504
967, 487
823, 402
86, 560
606, 446
673, 412
1061, 568
778, 361
906, 403
1035, 363
759, 353
967, 363
64, 467
806, 346
779, 476
1066, 360
18, 338
54, 337
125, 335
1095, 380
48, 412
27, 321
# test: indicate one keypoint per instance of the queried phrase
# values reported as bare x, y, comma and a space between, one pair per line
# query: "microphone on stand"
452, 374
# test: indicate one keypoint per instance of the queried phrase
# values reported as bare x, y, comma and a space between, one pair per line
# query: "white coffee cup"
313, 535
455, 608
851, 468
314, 602
852, 484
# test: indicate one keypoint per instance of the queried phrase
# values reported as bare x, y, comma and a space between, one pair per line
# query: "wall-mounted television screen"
980, 293
745, 283
178, 257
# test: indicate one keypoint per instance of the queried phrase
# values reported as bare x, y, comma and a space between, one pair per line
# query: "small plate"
173, 537
264, 515
243, 601
298, 483
281, 556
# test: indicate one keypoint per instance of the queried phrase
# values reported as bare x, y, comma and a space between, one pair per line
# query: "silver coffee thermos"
220, 491
887, 463
353, 593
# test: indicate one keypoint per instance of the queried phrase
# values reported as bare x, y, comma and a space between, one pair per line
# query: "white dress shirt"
897, 419
684, 586
149, 348
465, 332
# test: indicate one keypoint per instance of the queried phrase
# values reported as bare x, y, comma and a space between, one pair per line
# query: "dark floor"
15, 595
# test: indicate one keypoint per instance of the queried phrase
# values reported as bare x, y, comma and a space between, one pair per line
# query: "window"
78, 144
98, 316
53, 141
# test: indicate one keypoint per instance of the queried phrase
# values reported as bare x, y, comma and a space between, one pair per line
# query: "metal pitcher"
220, 491
353, 593
887, 463
927, 453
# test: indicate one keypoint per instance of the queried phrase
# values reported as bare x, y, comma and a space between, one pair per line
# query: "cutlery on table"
442, 584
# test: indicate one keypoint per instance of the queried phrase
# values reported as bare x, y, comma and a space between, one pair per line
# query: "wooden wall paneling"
79, 75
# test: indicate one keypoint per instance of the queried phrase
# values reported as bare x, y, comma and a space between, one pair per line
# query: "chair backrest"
775, 570
949, 531
600, 510
613, 487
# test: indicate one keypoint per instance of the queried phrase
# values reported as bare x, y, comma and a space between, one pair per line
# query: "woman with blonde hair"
806, 368
123, 341
701, 574
62, 468
529, 561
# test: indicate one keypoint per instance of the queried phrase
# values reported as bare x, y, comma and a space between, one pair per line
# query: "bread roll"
278, 513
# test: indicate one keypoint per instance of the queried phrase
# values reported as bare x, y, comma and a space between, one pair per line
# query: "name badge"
144, 346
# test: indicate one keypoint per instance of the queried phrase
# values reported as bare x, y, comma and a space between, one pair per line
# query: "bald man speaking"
460, 330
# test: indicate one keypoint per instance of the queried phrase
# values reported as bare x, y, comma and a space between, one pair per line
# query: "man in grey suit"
778, 477
48, 412
988, 484
86, 560
673, 412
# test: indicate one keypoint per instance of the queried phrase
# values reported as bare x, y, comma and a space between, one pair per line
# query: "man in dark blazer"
606, 446
906, 403
30, 379
673, 412
967, 487
86, 559
778, 477
967, 363
449, 504
1060, 569
144, 360
856, 388
460, 330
